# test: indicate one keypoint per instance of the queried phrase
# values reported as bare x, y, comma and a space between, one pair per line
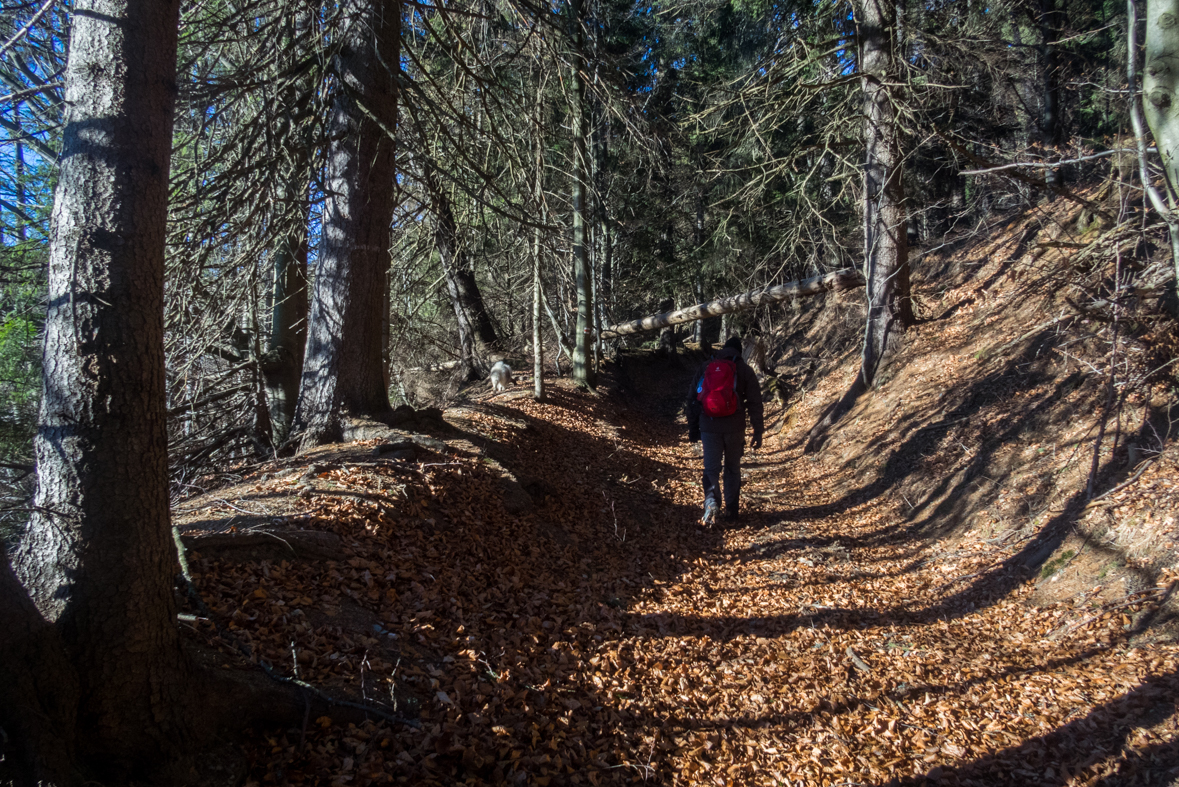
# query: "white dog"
501, 375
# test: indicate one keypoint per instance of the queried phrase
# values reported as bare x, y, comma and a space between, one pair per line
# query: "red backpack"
717, 391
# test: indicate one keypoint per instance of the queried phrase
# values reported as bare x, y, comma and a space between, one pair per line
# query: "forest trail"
599, 635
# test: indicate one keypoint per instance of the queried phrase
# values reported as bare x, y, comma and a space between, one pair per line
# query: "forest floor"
590, 631
972, 582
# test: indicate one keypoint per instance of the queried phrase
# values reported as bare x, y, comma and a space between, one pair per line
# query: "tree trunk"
584, 371
98, 558
477, 335
38, 692
342, 369
1160, 86
537, 320
839, 280
603, 294
1159, 89
22, 199
288, 321
283, 362
538, 392
667, 337
697, 282
1050, 21
886, 250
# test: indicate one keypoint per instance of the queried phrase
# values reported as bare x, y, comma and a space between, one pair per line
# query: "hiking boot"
732, 517
710, 511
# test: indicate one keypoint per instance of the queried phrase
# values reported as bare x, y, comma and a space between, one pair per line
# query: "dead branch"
845, 279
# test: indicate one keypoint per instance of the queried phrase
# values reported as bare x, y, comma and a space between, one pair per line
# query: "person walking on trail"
723, 392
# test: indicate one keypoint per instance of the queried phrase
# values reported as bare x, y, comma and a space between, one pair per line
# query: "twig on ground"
858, 662
1138, 597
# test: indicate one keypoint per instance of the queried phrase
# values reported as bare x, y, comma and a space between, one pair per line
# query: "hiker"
723, 390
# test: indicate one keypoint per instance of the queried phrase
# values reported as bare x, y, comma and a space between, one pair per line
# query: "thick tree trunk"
38, 692
342, 368
98, 558
845, 279
584, 371
1159, 92
1160, 86
886, 249
477, 336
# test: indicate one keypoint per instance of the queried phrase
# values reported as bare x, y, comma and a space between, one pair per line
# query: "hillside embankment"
520, 592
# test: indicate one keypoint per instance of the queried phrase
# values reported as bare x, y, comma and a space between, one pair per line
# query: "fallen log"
845, 279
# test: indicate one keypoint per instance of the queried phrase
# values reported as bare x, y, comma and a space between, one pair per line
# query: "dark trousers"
723, 449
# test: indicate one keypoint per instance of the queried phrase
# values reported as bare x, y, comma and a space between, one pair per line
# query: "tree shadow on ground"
1102, 736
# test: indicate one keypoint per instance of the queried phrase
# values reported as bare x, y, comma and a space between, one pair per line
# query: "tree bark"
584, 371
38, 692
98, 558
283, 364
538, 392
1050, 20
845, 279
477, 336
342, 368
288, 322
1164, 82
886, 249
667, 337
1160, 86
697, 282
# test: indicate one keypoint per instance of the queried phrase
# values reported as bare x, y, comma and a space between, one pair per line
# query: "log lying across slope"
844, 279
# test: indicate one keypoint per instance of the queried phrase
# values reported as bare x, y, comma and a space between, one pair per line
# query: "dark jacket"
748, 400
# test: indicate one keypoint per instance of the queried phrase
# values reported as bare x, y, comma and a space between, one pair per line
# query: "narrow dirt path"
603, 637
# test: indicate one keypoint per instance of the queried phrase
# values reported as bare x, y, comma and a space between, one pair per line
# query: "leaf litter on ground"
601, 636
604, 637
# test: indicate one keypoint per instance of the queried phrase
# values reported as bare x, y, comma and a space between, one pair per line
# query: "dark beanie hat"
734, 343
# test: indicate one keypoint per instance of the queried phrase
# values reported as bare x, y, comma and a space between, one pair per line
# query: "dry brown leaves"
604, 638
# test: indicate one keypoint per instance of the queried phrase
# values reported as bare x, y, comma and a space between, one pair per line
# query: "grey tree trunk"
886, 246
1160, 86
829, 282
477, 336
698, 282
97, 559
342, 368
603, 293
886, 249
537, 321
538, 392
584, 371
